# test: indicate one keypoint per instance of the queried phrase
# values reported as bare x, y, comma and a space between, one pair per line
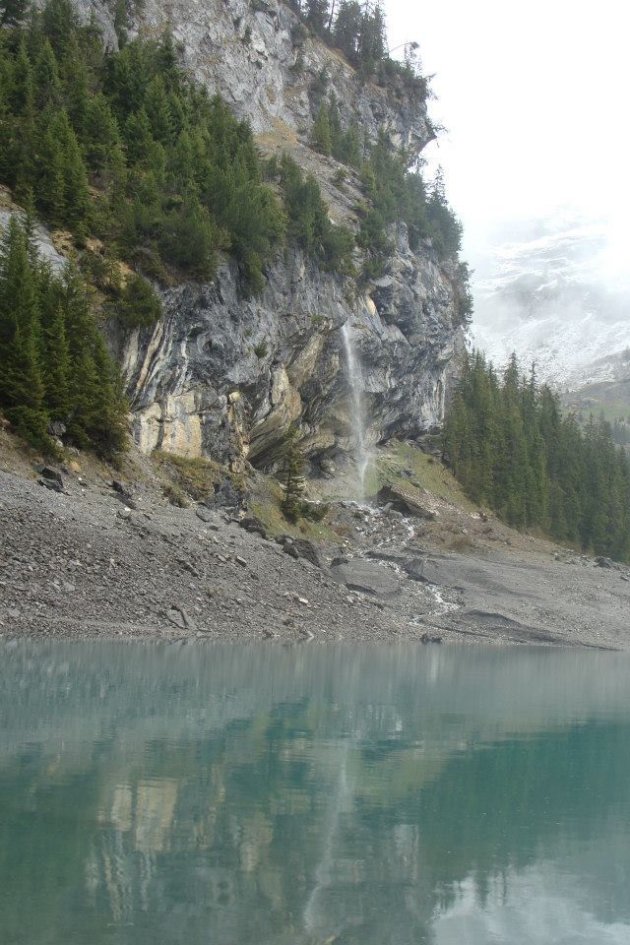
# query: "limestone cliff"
225, 376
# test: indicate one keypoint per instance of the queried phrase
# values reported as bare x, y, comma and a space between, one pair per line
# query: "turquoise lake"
263, 795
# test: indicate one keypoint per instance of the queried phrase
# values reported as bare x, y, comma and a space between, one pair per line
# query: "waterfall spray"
355, 382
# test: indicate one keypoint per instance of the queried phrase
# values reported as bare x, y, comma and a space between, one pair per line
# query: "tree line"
55, 365
394, 193
122, 146
358, 30
514, 450
124, 151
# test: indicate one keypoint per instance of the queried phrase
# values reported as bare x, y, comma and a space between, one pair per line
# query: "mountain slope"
545, 297
244, 353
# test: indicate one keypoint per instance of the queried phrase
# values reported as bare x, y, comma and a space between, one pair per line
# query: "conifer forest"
514, 450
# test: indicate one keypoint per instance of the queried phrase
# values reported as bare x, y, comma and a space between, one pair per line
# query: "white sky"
535, 99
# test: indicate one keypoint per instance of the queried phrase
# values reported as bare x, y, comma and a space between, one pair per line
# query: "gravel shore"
92, 561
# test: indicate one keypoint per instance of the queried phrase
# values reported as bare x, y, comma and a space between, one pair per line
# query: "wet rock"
414, 569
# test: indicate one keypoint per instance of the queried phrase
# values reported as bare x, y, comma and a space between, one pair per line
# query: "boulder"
56, 428
51, 484
603, 562
405, 500
206, 515
226, 496
367, 576
123, 495
302, 548
51, 475
253, 525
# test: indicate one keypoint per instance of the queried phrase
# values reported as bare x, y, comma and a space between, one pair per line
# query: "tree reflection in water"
275, 796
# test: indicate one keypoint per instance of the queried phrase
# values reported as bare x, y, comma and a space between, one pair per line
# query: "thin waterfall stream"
355, 382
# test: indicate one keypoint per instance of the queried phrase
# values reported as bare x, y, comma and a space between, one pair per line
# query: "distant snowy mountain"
546, 295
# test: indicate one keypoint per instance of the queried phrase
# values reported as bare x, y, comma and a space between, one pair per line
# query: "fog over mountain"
535, 155
543, 290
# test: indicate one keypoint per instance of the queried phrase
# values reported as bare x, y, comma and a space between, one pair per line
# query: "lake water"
261, 795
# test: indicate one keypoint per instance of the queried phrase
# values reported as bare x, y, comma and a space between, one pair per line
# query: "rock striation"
225, 376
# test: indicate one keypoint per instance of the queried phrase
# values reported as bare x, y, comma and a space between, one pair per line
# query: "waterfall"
324, 878
355, 382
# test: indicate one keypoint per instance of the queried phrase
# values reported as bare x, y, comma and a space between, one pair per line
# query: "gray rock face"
41, 237
257, 56
226, 377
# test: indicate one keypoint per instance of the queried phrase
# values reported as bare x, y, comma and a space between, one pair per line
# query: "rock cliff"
225, 376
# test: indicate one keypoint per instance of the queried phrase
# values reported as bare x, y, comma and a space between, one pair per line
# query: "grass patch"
460, 544
265, 503
175, 495
398, 460
195, 478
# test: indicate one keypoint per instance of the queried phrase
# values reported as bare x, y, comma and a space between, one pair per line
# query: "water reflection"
380, 796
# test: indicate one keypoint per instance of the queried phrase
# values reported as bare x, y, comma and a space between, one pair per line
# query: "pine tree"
157, 107
21, 387
102, 139
59, 22
347, 28
321, 135
371, 43
46, 78
51, 192
138, 306
349, 149
511, 448
55, 356
317, 15
293, 479
75, 72
22, 84
76, 194
97, 410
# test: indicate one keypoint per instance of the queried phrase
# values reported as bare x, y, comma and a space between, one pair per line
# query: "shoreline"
83, 565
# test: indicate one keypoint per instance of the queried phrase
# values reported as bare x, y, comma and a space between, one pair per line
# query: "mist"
535, 156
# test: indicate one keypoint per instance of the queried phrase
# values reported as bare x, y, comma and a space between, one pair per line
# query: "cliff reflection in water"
381, 796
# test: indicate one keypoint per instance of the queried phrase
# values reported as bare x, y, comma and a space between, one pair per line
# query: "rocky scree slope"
84, 556
225, 376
